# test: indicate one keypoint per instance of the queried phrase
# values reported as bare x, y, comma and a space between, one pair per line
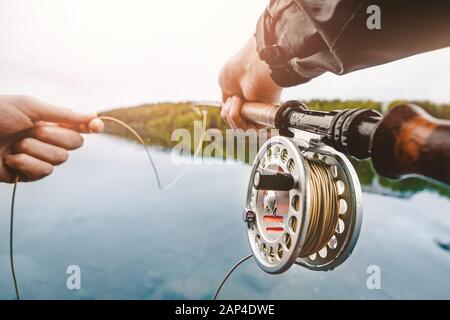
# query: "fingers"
42, 151
39, 110
45, 146
96, 125
245, 75
57, 136
231, 113
224, 112
32, 168
234, 114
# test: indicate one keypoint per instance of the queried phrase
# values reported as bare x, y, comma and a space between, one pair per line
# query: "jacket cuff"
277, 57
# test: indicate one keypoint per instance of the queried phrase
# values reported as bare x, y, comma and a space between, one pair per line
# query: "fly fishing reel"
304, 205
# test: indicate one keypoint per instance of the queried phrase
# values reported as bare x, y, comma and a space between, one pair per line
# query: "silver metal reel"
277, 221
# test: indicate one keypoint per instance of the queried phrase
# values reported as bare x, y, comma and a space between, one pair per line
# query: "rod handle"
261, 113
410, 141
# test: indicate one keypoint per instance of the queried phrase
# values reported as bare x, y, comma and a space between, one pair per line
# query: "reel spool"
304, 205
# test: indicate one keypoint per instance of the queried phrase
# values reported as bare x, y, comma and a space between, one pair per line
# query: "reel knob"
303, 206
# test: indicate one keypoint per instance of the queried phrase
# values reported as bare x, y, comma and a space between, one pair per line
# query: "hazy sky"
93, 54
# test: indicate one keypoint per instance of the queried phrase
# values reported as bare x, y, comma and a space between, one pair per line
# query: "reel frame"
277, 253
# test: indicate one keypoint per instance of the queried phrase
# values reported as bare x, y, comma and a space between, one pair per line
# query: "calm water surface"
103, 212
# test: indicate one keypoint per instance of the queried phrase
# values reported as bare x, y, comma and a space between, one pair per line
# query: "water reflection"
371, 182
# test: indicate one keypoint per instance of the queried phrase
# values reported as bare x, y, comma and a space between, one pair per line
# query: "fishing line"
229, 274
149, 156
11, 238
152, 163
324, 208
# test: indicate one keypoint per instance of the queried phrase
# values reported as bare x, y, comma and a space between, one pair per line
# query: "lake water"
103, 212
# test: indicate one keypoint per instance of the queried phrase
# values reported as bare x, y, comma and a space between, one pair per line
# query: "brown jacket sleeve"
301, 39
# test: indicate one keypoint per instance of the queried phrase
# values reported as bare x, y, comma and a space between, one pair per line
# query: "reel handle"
410, 141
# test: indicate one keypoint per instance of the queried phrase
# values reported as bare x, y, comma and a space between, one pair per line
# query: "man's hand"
36, 136
245, 77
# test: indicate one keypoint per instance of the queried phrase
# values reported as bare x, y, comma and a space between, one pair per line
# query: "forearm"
313, 37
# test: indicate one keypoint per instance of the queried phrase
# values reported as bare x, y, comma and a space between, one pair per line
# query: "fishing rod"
406, 140
304, 200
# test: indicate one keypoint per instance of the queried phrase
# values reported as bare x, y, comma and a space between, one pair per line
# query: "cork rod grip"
260, 113
410, 141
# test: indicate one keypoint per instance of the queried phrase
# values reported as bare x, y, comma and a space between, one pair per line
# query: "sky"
93, 55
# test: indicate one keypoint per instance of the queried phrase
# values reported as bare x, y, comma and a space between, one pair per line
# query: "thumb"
41, 111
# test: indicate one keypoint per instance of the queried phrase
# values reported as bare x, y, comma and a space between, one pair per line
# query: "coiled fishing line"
303, 206
324, 214
324, 208
162, 187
